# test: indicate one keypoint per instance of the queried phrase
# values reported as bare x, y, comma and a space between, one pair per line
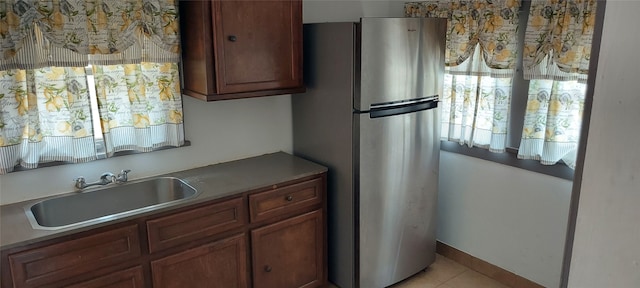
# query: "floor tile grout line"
464, 269
454, 276
452, 252
483, 275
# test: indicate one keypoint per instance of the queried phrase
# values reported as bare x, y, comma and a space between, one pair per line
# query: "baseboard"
492, 271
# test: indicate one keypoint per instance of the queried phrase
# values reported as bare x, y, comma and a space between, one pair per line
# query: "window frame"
519, 92
509, 158
19, 168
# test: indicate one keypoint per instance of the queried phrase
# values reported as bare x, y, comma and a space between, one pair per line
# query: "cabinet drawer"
130, 278
284, 200
181, 228
37, 267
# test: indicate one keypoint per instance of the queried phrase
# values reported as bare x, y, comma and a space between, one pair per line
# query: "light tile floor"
446, 273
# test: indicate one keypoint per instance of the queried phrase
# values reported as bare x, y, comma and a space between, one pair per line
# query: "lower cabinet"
60, 264
221, 264
272, 237
289, 253
130, 278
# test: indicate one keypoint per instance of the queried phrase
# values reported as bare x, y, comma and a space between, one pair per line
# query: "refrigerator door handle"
392, 109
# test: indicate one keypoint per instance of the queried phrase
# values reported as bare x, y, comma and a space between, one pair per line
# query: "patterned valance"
41, 33
493, 24
558, 39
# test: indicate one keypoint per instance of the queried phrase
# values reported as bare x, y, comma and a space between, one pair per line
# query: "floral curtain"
556, 58
491, 25
68, 33
140, 106
45, 93
44, 116
552, 122
558, 39
480, 61
475, 109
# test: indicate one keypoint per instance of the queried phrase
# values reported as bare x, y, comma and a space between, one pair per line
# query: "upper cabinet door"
239, 49
258, 45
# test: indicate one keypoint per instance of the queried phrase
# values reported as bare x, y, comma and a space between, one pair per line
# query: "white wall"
218, 131
606, 251
316, 11
509, 217
512, 218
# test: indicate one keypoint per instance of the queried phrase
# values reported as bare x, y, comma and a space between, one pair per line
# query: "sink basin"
112, 201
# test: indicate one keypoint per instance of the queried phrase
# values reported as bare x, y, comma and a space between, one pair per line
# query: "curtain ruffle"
557, 44
492, 24
42, 33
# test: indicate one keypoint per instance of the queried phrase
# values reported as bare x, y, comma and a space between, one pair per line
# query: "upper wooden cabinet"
238, 48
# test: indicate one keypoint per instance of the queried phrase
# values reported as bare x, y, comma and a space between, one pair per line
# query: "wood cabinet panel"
36, 267
197, 48
239, 48
130, 278
285, 200
289, 253
181, 228
257, 45
221, 264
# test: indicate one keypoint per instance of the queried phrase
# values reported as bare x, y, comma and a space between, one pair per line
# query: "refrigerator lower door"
397, 184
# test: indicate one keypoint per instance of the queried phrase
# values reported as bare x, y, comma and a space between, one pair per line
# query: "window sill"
117, 154
509, 158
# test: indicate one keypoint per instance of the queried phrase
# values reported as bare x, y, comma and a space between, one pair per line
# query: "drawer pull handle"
232, 38
289, 198
267, 268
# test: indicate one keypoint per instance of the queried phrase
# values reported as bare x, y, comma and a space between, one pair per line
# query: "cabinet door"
130, 278
289, 253
221, 264
258, 45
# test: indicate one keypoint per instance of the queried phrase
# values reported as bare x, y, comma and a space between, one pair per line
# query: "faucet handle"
122, 176
80, 182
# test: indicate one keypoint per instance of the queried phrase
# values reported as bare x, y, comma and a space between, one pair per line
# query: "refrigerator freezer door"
397, 180
401, 58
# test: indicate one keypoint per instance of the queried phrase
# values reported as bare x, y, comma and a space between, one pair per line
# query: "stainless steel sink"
110, 202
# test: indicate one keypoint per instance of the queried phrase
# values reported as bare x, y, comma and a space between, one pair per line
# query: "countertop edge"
213, 182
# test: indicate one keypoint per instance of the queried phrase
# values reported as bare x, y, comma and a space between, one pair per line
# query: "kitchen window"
81, 80
530, 104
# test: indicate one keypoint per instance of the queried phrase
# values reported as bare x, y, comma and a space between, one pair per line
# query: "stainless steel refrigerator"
370, 115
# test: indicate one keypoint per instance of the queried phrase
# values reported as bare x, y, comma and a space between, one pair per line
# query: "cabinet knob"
232, 38
289, 198
267, 268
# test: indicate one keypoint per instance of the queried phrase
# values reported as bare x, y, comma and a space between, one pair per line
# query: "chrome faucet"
122, 176
105, 178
